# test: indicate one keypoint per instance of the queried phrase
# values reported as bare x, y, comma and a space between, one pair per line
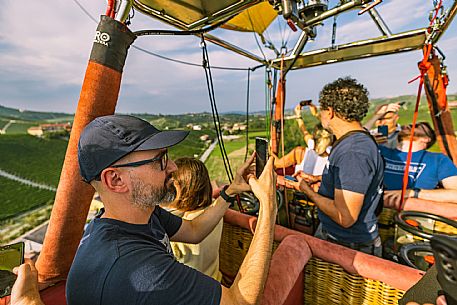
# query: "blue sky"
44, 48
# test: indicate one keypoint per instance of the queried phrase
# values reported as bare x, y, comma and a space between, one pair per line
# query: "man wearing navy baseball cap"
125, 256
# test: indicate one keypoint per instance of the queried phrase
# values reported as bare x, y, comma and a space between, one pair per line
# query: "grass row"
192, 145
41, 160
19, 128
36, 159
236, 150
16, 198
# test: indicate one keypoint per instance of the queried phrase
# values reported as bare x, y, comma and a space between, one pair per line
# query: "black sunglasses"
163, 158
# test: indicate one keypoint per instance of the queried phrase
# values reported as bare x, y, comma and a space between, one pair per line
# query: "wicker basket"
325, 283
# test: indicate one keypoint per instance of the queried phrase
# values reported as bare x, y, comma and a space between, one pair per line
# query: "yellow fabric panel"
254, 19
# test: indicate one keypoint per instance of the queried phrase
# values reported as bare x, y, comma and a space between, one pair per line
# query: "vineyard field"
16, 198
39, 160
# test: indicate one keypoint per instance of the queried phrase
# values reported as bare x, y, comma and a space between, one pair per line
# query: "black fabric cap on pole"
111, 43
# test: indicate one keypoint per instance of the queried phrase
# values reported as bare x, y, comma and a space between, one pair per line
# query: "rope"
424, 65
212, 98
256, 40
247, 116
110, 9
268, 95
192, 64
283, 102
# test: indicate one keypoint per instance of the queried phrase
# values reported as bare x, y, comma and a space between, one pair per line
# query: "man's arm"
446, 194
301, 124
195, 230
344, 209
380, 111
250, 281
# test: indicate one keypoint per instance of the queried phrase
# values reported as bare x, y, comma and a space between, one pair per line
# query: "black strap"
380, 205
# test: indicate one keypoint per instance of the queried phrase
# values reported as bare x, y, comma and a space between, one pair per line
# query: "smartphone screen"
261, 157
383, 129
10, 256
291, 178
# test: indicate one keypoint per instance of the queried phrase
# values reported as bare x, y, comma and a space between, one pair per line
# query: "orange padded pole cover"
98, 97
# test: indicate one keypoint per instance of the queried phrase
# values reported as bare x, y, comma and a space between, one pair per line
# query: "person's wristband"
416, 193
223, 194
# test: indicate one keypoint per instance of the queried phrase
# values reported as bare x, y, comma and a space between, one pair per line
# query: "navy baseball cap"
109, 138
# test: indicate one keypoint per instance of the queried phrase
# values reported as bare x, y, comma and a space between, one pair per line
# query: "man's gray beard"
147, 196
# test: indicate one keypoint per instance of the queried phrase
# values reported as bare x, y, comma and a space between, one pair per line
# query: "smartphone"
10, 256
261, 155
305, 103
290, 178
445, 252
383, 130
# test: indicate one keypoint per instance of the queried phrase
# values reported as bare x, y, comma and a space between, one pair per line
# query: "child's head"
193, 185
322, 139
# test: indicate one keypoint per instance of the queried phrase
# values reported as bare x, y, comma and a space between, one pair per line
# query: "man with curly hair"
351, 189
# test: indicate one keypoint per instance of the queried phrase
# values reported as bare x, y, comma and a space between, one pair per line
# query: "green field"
36, 159
19, 128
16, 198
16, 114
3, 122
192, 145
236, 150
40, 160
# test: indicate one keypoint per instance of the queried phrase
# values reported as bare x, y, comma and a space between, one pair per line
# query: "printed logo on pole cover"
102, 38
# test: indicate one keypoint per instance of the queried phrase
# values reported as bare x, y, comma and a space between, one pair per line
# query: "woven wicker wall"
325, 283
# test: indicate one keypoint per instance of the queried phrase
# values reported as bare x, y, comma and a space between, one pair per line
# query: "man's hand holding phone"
25, 290
264, 188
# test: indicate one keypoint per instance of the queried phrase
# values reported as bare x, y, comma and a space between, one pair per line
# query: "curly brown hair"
347, 97
195, 186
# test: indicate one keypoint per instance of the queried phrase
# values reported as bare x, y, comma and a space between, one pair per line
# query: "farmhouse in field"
43, 129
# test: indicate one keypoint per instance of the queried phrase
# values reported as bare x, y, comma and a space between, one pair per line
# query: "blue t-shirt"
426, 170
122, 263
354, 165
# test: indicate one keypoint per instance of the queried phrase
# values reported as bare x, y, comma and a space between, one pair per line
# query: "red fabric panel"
289, 171
54, 295
286, 267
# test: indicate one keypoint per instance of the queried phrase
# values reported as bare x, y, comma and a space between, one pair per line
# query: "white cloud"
48, 45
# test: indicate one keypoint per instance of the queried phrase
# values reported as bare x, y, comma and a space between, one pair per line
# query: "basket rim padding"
368, 266
287, 262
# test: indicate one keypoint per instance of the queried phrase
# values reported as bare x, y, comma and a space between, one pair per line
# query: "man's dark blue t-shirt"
354, 165
122, 263
426, 171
